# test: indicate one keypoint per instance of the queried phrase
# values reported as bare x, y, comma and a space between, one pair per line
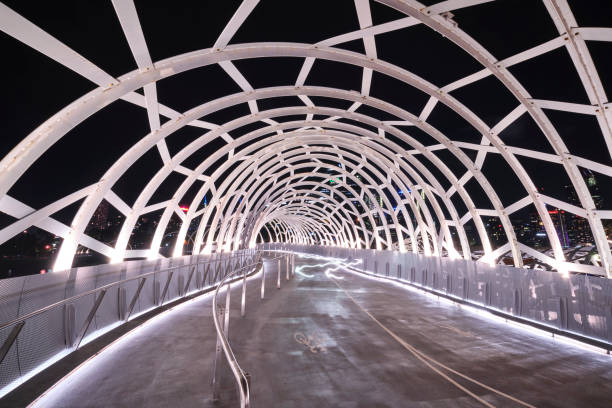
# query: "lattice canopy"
436, 149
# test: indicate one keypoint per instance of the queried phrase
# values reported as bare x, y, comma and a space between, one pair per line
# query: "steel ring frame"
43, 137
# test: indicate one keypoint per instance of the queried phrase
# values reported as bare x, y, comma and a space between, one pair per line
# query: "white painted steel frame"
110, 89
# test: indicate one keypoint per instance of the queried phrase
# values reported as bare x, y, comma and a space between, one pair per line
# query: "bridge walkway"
338, 340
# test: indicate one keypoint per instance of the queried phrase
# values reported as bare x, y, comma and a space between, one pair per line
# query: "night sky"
35, 87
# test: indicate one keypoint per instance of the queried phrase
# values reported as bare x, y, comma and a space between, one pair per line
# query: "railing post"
206, 271
179, 284
215, 387
227, 311
69, 324
217, 268
263, 280
90, 317
135, 298
193, 268
518, 302
163, 295
10, 340
243, 304
121, 303
199, 281
278, 264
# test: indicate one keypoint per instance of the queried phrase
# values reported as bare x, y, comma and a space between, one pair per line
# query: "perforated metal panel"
56, 332
580, 304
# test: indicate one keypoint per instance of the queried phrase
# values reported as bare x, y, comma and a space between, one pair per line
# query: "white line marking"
425, 359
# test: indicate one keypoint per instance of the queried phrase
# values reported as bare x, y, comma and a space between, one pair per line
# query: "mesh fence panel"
10, 297
9, 368
54, 332
581, 304
41, 338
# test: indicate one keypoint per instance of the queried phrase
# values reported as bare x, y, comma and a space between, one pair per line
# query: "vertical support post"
193, 268
215, 387
163, 295
487, 294
10, 340
263, 280
199, 281
227, 310
121, 303
135, 298
90, 317
243, 304
69, 325
205, 274
181, 281
518, 302
278, 266
293, 265
563, 315
217, 269
287, 267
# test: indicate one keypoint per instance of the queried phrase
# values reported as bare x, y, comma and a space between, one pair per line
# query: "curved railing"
46, 318
239, 374
221, 313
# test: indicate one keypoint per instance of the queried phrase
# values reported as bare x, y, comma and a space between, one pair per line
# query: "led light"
486, 313
57, 387
14, 384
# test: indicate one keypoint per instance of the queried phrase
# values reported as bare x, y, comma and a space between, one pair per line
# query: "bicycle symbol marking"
313, 342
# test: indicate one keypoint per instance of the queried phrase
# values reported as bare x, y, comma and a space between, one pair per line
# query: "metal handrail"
102, 288
213, 264
227, 350
237, 371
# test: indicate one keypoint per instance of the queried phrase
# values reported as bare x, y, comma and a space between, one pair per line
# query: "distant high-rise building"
593, 187
100, 217
578, 229
560, 218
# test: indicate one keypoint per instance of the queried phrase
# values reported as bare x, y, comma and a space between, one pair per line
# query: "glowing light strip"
22, 379
486, 312
87, 339
113, 344
328, 272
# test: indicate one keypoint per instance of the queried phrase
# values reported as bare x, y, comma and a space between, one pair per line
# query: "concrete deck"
349, 342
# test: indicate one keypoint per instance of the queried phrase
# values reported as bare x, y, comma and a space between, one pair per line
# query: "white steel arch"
408, 170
